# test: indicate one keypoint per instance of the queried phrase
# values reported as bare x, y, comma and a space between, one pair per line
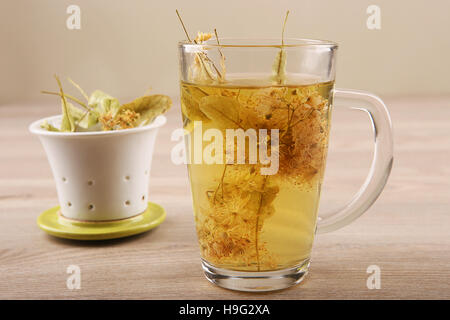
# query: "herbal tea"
245, 220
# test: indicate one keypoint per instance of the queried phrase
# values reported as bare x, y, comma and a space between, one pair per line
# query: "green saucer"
53, 223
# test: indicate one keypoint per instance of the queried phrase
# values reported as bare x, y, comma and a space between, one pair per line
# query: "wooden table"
405, 233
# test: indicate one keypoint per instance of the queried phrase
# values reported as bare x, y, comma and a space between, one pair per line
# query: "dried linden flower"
202, 37
104, 112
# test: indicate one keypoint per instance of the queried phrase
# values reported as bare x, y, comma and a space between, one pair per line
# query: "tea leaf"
149, 107
76, 113
103, 103
222, 110
89, 121
83, 120
198, 93
190, 107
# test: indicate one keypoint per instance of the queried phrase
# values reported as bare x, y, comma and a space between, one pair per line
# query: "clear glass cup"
257, 116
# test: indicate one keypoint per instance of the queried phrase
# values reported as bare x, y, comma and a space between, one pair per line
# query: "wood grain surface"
405, 233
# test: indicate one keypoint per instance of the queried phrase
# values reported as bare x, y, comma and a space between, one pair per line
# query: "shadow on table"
102, 243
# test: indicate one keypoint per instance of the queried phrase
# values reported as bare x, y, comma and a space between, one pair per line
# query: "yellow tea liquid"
247, 221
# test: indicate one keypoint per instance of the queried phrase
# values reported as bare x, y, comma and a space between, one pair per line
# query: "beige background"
124, 47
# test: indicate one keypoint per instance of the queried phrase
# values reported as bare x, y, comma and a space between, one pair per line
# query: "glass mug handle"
381, 163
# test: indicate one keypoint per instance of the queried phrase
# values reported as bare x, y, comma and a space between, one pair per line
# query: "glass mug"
257, 118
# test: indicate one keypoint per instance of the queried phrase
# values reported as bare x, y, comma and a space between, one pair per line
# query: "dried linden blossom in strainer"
102, 112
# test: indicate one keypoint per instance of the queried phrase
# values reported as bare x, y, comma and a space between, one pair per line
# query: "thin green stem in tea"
220, 183
257, 223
